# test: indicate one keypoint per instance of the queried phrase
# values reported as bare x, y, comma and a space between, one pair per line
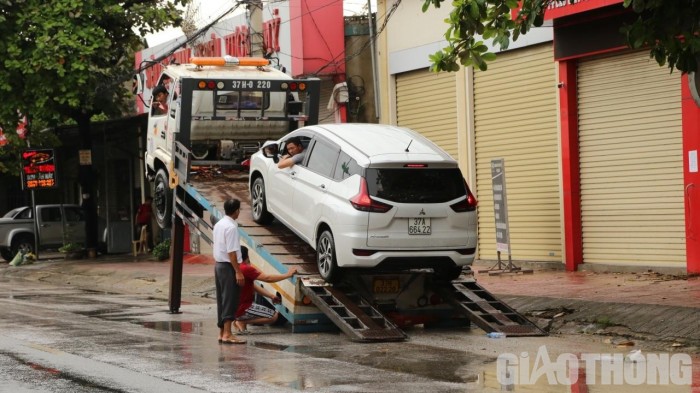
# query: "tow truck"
206, 133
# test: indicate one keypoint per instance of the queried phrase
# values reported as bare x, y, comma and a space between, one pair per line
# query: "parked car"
369, 196
58, 225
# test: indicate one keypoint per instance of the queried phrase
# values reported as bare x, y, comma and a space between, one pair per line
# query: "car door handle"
293, 173
322, 186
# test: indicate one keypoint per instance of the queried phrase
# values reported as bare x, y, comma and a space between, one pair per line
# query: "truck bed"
281, 243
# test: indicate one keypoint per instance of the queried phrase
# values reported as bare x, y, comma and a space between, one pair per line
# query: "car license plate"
386, 285
419, 226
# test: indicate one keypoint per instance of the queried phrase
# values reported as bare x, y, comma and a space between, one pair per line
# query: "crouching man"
252, 313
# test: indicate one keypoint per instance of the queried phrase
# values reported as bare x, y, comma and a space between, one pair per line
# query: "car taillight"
468, 204
363, 202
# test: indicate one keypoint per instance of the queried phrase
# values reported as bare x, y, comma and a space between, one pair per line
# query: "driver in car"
295, 153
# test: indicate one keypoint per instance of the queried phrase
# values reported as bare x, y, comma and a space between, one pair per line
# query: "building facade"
599, 142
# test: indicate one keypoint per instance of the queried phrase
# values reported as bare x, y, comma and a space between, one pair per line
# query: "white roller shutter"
426, 102
630, 147
515, 118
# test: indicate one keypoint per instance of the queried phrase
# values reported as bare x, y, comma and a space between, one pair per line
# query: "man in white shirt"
229, 279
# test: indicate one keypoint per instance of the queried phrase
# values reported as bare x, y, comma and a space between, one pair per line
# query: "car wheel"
6, 254
326, 259
22, 243
257, 197
162, 199
449, 273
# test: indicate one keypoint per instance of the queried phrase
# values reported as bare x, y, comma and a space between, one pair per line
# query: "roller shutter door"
426, 102
515, 118
631, 161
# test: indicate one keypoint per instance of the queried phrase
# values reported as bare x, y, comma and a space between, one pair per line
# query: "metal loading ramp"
486, 311
350, 312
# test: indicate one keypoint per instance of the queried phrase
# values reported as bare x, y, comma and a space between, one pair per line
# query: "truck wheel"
257, 196
6, 254
326, 259
162, 199
23, 243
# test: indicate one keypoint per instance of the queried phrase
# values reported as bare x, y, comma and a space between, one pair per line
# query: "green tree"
669, 29
70, 59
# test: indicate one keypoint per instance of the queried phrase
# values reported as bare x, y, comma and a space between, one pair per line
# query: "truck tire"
24, 243
162, 199
259, 204
326, 258
6, 254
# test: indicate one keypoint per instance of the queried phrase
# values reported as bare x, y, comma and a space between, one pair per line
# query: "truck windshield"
242, 99
19, 213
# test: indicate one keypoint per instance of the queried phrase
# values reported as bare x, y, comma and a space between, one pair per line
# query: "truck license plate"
419, 226
386, 285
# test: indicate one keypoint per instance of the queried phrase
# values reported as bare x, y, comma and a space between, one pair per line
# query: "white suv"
369, 196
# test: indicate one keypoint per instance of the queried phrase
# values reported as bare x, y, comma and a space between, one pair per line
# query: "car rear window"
416, 185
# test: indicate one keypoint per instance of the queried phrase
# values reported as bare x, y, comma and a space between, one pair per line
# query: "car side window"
305, 141
322, 158
51, 214
346, 167
74, 214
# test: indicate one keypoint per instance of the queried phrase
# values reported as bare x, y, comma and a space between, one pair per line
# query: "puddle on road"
174, 326
447, 365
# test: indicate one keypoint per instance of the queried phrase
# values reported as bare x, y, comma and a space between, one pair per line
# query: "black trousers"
227, 293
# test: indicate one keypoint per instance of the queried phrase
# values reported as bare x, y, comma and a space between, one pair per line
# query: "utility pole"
254, 14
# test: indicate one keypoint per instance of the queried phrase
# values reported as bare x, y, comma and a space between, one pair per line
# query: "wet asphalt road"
55, 339
60, 339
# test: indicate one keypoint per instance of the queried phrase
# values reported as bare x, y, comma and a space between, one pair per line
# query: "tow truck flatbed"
367, 307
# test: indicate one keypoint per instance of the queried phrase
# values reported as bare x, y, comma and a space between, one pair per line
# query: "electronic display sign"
38, 169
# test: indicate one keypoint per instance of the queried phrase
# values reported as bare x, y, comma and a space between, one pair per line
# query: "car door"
311, 186
50, 225
280, 183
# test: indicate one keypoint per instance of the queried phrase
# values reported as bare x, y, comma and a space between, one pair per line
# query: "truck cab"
221, 110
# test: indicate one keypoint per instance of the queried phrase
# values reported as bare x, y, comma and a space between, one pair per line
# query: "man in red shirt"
249, 312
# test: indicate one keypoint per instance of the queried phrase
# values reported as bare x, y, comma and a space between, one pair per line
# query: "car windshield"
416, 185
12, 213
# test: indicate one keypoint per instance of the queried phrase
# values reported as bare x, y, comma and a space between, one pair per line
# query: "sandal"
241, 331
231, 340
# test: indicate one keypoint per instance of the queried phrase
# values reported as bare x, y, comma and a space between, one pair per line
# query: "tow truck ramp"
357, 317
486, 311
350, 312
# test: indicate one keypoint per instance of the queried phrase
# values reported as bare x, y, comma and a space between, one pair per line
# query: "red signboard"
38, 169
557, 9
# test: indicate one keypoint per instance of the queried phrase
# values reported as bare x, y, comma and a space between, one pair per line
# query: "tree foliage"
70, 59
669, 29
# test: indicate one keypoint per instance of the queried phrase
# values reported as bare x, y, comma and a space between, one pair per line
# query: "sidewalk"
644, 305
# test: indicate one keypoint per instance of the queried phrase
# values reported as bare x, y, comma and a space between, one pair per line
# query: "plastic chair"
141, 246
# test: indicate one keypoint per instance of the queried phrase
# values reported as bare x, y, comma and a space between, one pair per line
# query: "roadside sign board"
38, 169
500, 204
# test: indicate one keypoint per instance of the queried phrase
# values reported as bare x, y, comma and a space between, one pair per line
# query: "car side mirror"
271, 150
